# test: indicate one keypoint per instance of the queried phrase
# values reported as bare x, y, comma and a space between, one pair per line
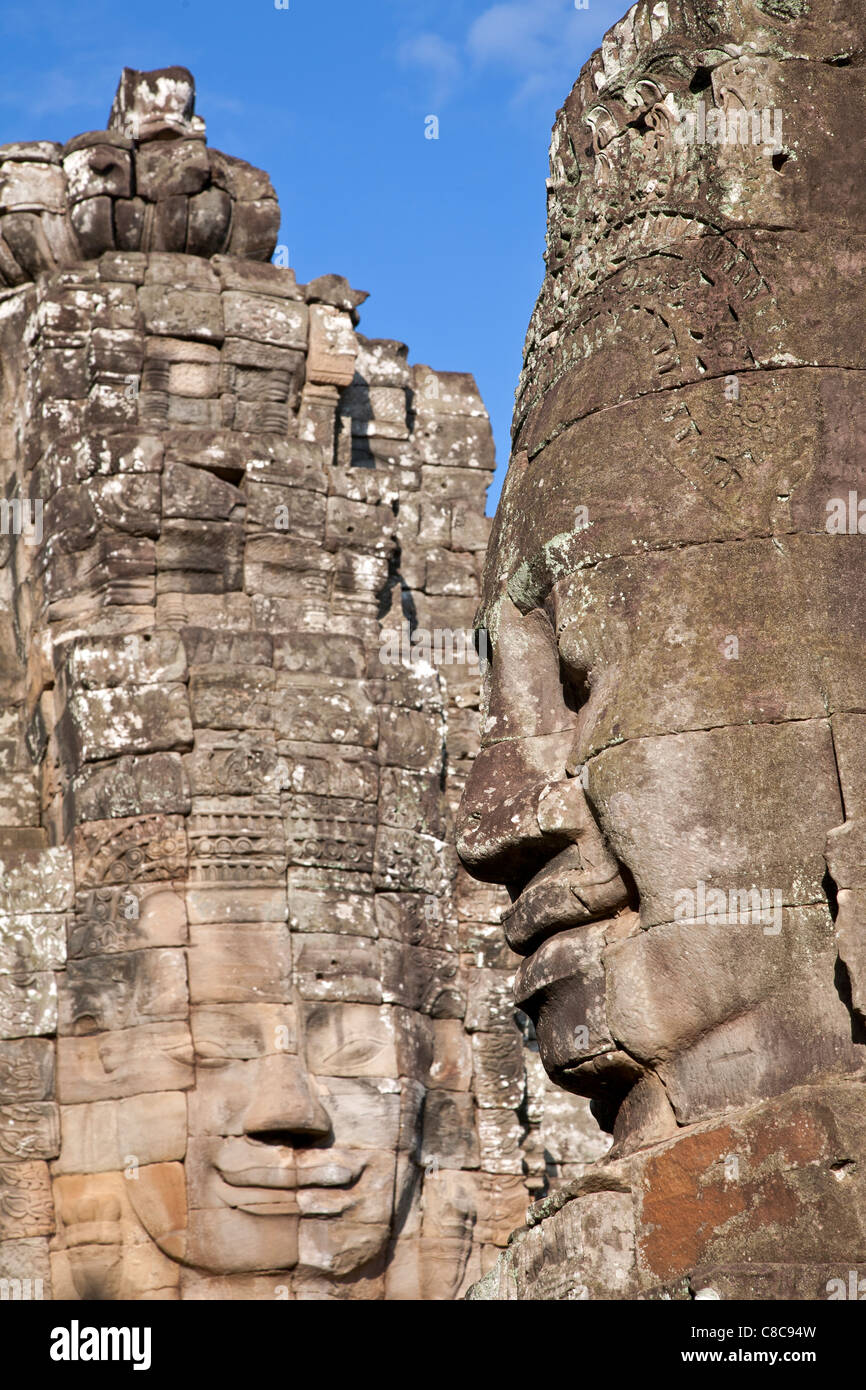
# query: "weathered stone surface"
225, 1032
36, 881
124, 919
707, 1209
229, 914
136, 849
102, 1250
28, 1005
123, 990
329, 968
136, 719
26, 1070
111, 1065
278, 322
26, 1206
27, 1261
670, 785
30, 1130
130, 786
33, 942
449, 1140
248, 964
102, 1136
333, 347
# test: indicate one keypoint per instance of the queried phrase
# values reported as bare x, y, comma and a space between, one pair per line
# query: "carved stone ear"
644, 93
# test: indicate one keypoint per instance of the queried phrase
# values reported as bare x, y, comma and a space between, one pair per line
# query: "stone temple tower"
257, 1037
673, 781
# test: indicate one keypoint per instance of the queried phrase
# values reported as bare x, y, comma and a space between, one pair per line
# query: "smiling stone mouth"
284, 1192
278, 1169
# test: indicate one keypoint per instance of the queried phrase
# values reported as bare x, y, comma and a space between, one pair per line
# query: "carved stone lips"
242, 1166
330, 1175
540, 907
563, 894
269, 1173
555, 959
561, 987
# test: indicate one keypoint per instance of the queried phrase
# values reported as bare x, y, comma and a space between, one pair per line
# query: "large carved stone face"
671, 779
657, 789
286, 1060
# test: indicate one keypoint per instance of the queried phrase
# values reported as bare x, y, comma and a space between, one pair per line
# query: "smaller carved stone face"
280, 1167
148, 182
286, 1169
278, 1139
154, 105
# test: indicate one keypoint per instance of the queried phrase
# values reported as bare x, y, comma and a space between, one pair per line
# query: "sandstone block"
111, 1065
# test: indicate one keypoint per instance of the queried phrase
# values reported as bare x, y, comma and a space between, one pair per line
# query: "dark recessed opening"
831, 893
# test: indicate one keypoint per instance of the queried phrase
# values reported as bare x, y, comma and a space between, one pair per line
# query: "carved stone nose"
488, 838
564, 811
500, 838
284, 1108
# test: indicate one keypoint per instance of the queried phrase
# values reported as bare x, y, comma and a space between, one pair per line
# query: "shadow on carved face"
643, 798
526, 822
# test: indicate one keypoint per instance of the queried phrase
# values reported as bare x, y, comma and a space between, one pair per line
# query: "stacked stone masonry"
257, 1036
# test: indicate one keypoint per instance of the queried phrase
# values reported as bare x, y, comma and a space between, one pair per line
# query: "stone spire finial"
147, 183
157, 105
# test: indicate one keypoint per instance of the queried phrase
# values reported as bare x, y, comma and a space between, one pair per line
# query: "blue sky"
331, 97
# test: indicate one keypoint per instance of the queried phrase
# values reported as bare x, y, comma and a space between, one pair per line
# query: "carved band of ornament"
99, 936
234, 848
333, 852
246, 762
135, 867
229, 824
24, 1190
359, 826
260, 871
640, 100
28, 1131
341, 832
18, 1080
551, 358
149, 849
601, 244
19, 1146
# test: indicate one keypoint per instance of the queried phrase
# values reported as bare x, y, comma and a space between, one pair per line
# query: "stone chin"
659, 1027
561, 986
